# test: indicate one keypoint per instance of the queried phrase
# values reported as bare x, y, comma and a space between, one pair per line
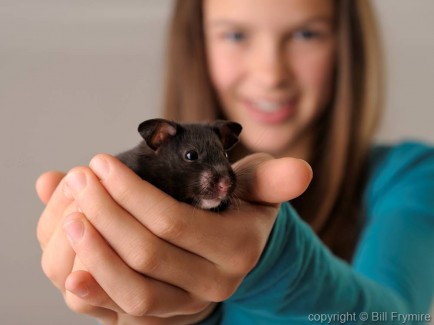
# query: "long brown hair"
332, 203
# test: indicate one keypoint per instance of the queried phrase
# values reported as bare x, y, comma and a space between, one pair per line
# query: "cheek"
224, 72
314, 74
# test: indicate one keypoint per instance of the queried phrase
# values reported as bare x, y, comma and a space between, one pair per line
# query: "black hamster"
187, 161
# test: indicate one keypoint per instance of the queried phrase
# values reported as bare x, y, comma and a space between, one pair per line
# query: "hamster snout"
223, 186
215, 188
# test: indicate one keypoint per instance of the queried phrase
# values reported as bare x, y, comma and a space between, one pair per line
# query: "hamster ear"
228, 132
156, 131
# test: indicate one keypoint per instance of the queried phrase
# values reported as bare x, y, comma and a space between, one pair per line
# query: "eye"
191, 155
235, 36
226, 155
306, 34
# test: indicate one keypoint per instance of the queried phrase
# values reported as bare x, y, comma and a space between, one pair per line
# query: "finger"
260, 178
135, 294
104, 316
144, 251
204, 233
81, 284
175, 320
48, 224
54, 211
81, 306
88, 293
47, 183
84, 295
57, 258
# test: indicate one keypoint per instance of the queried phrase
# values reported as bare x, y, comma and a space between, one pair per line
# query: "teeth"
268, 106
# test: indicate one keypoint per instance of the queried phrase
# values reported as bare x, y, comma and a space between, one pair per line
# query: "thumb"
264, 179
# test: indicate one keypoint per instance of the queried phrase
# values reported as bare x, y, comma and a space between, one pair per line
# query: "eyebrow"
229, 22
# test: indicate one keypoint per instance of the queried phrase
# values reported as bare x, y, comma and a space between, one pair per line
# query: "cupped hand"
149, 257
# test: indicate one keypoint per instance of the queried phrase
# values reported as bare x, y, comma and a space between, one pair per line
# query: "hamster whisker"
235, 201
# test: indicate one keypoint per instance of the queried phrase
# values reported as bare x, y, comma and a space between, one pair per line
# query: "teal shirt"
391, 279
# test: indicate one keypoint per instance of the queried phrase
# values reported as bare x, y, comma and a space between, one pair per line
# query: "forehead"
267, 13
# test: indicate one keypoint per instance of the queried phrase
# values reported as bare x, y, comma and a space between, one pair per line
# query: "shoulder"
405, 170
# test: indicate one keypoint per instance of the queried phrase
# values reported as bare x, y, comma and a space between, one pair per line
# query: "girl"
303, 78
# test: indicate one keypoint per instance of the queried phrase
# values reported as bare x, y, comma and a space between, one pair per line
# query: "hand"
190, 257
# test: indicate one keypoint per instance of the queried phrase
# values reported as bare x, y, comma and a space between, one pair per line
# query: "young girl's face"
271, 63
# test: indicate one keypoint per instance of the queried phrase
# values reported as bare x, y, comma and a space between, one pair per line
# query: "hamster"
187, 161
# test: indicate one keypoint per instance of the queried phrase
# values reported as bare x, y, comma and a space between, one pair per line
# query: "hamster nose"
223, 185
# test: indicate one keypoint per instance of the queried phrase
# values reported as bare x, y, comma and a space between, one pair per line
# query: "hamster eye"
191, 155
226, 155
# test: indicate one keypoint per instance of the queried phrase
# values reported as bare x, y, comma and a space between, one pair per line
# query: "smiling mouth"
271, 111
268, 106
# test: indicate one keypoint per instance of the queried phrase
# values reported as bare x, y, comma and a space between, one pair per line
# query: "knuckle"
172, 228
221, 290
139, 305
145, 259
247, 251
196, 306
242, 264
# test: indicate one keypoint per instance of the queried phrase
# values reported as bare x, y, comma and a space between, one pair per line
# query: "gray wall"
77, 76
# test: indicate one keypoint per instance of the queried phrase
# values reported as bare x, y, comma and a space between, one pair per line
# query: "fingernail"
74, 229
100, 166
75, 182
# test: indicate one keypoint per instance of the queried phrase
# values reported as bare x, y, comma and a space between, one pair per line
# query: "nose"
223, 185
268, 65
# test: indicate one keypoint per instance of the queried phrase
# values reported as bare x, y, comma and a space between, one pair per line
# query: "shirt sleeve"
299, 281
